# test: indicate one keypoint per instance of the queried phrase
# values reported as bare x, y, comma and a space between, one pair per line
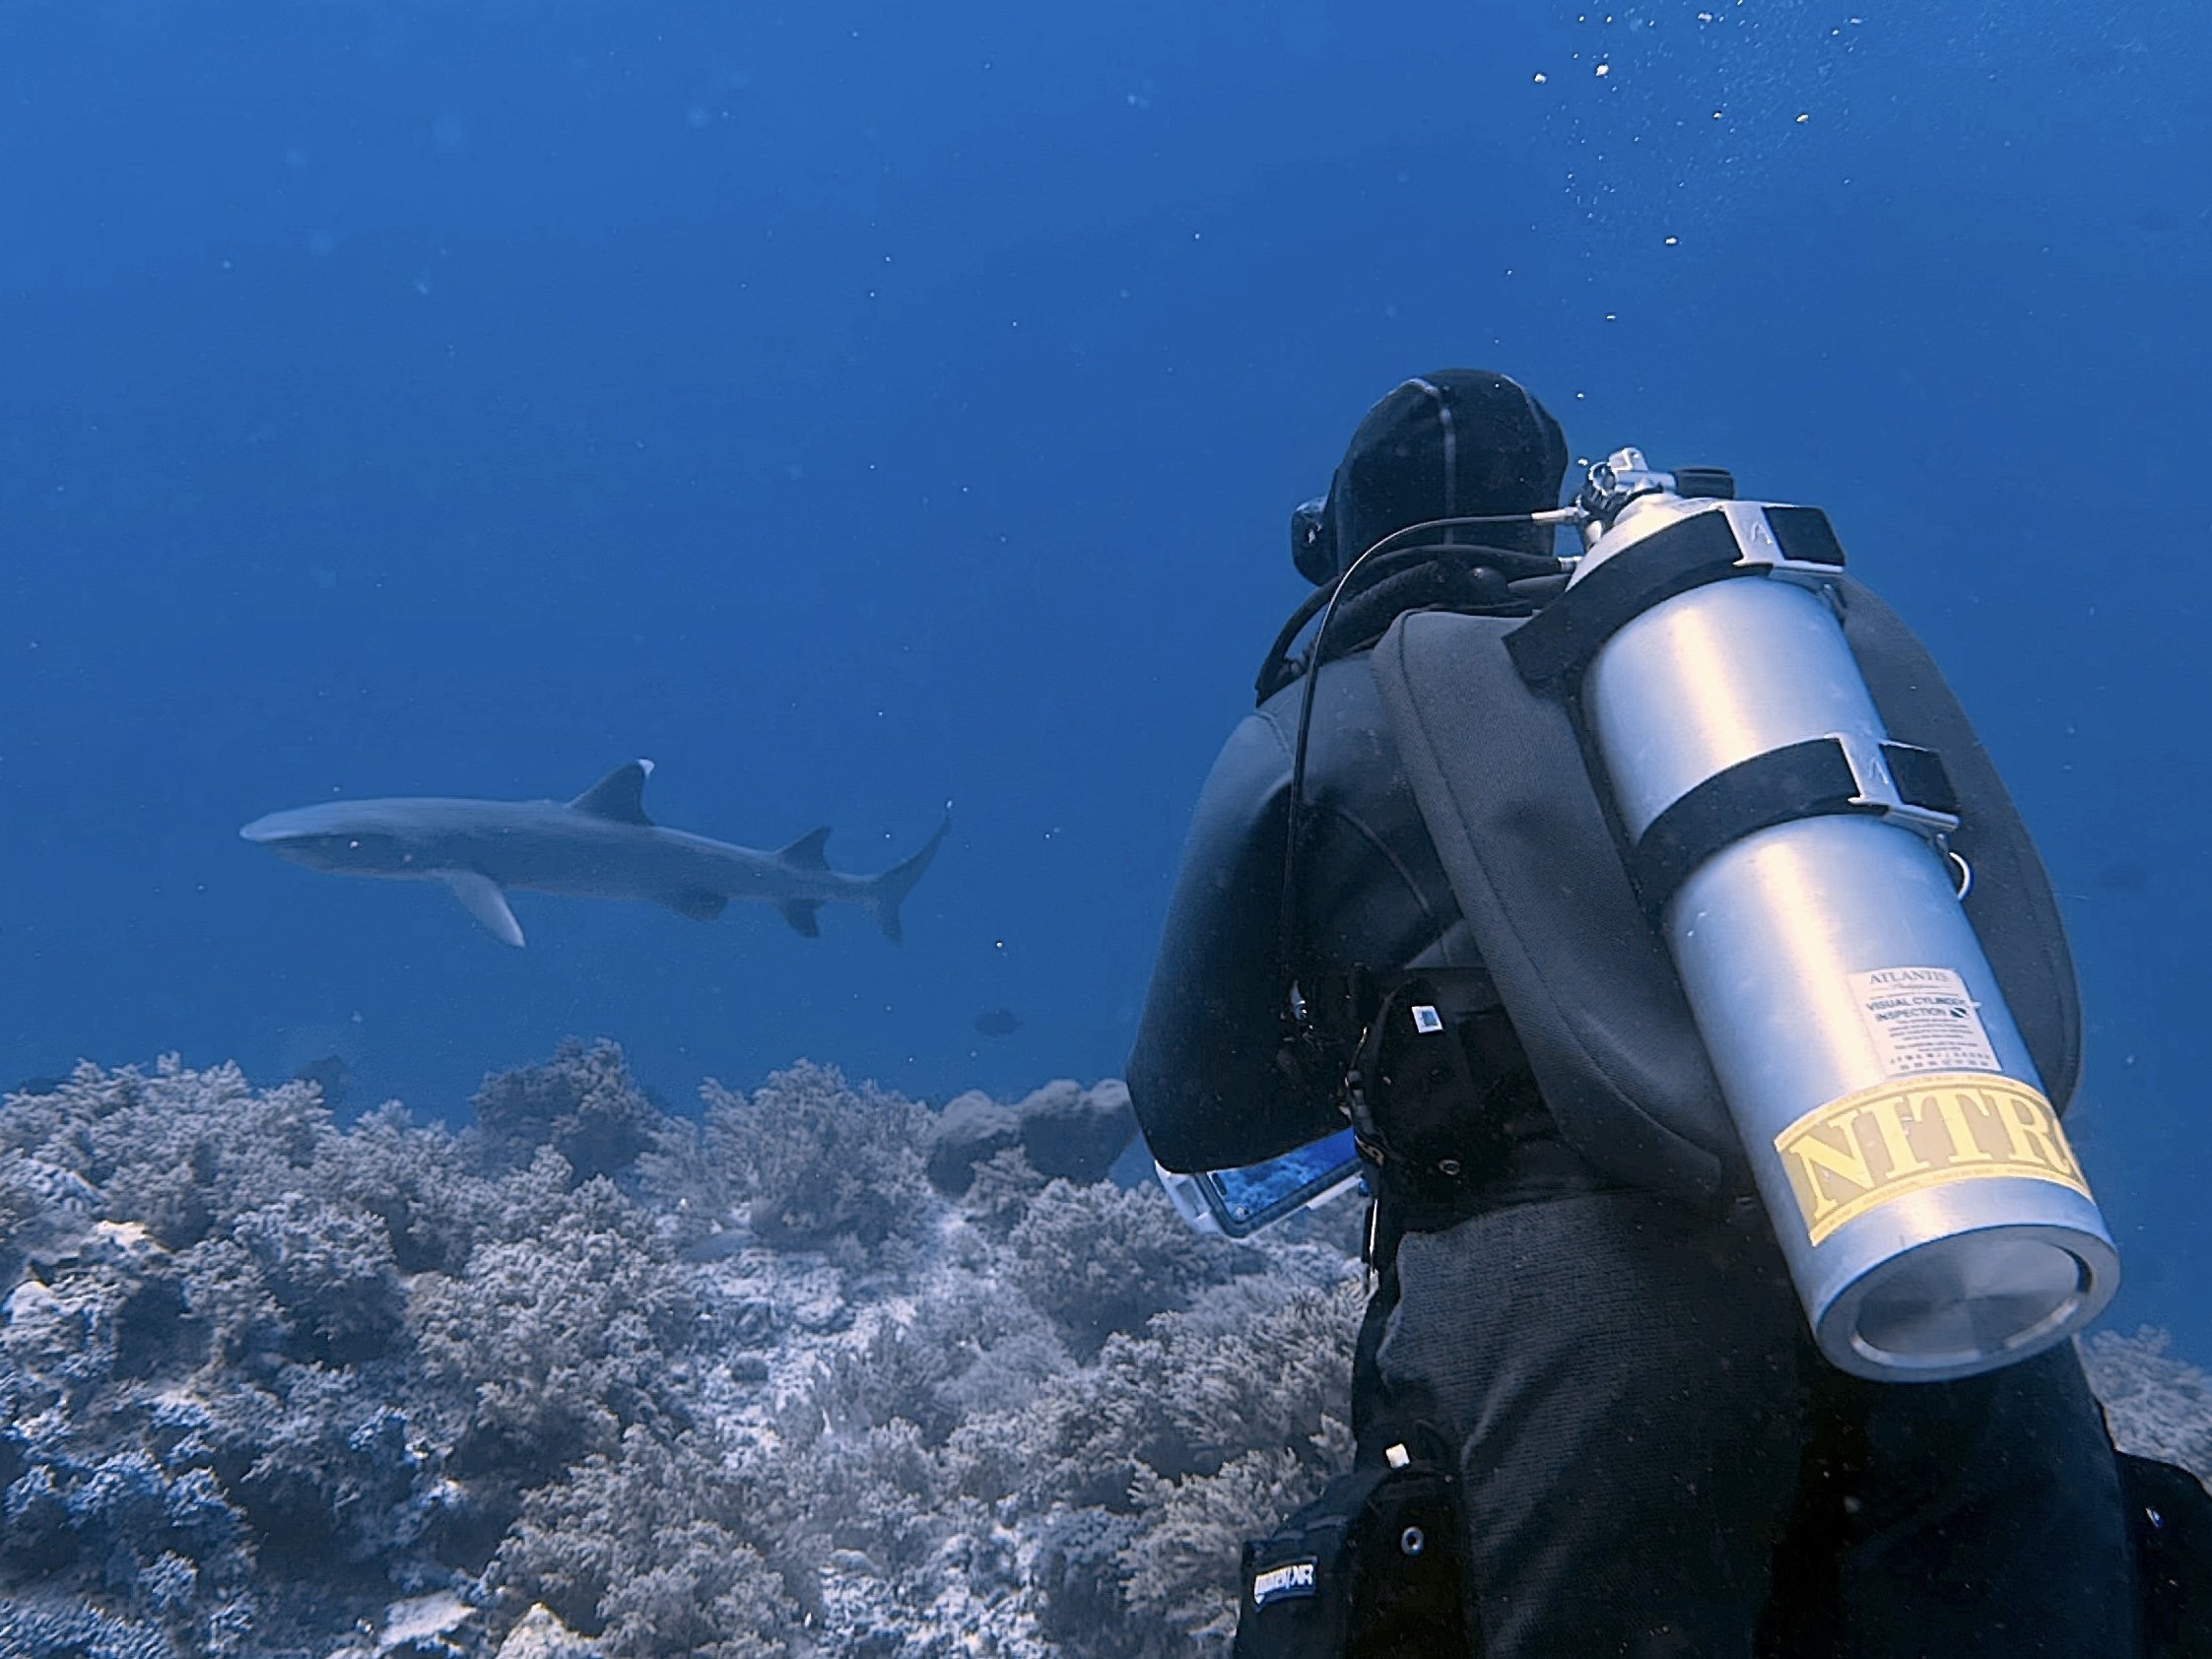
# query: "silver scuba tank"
1936, 1222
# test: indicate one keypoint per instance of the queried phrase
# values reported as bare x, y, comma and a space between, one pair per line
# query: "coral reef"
587, 1379
1065, 1131
583, 1105
804, 1161
2156, 1405
816, 1374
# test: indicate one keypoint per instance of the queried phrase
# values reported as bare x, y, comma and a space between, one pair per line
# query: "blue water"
860, 408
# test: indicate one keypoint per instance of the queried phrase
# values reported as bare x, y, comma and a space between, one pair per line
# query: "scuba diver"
1428, 893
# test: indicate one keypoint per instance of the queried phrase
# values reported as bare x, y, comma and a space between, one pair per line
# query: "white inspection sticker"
1924, 1019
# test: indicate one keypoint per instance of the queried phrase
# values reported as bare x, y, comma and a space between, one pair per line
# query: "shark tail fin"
887, 890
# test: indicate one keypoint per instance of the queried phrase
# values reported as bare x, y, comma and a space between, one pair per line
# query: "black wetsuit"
1654, 1460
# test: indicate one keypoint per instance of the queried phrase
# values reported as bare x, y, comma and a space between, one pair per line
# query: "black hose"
1381, 557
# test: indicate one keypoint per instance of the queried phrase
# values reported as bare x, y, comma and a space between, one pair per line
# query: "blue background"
855, 407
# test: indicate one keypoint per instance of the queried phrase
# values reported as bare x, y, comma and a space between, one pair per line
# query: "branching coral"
329, 1270
2157, 1405
1180, 1565
582, 1103
814, 1159
649, 1542
326, 1468
174, 1150
420, 1182
59, 1626
558, 1339
200, 1341
1099, 1260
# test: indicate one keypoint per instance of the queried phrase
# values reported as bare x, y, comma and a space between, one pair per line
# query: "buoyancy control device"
1768, 962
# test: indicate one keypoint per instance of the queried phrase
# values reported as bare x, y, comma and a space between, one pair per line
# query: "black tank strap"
1559, 641
1797, 780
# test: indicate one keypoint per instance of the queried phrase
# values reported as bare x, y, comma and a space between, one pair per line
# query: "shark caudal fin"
887, 890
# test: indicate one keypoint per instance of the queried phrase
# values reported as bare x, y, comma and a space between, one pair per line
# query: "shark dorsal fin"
806, 852
620, 795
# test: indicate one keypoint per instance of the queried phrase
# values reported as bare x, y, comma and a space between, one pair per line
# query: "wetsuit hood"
1458, 441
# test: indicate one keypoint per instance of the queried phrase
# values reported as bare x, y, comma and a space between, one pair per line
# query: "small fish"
998, 1021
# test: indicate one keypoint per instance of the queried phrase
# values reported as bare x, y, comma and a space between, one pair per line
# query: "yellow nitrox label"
1910, 1134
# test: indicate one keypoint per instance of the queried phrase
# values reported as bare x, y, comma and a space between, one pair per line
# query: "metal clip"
1877, 792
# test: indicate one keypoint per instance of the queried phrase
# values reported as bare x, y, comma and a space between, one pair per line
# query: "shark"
599, 845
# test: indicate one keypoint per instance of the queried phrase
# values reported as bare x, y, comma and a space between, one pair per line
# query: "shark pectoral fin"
799, 912
806, 852
698, 904
481, 897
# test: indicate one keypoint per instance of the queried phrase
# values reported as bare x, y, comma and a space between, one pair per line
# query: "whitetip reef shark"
599, 845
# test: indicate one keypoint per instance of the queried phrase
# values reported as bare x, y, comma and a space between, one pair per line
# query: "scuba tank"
1792, 857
